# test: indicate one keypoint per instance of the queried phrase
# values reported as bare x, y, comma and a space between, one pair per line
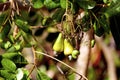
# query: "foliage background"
29, 29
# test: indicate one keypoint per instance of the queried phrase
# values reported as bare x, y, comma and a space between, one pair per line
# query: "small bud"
70, 57
75, 53
92, 43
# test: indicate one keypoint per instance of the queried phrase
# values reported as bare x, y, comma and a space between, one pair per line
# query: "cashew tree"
45, 39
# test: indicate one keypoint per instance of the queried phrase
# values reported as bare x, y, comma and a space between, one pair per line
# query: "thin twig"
35, 56
62, 63
31, 71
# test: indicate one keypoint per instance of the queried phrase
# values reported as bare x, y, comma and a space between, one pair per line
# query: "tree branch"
109, 58
5, 6
85, 49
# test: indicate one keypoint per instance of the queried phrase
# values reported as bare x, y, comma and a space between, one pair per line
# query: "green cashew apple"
68, 48
59, 43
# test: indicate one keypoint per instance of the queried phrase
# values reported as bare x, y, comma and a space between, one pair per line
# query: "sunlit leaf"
7, 75
11, 38
8, 64
63, 3
23, 25
11, 49
16, 47
50, 4
37, 3
6, 45
9, 55
26, 73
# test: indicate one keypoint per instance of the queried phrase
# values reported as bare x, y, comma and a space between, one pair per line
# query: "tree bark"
109, 58
85, 49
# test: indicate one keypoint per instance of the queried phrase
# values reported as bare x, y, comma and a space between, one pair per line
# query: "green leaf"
113, 9
50, 4
3, 17
11, 38
91, 74
29, 40
45, 20
11, 49
58, 14
4, 32
22, 74
7, 75
108, 2
99, 31
19, 60
101, 26
85, 4
71, 76
23, 25
104, 24
8, 64
42, 76
37, 4
2, 1
17, 46
9, 55
18, 35
63, 4
6, 45
26, 73
115, 1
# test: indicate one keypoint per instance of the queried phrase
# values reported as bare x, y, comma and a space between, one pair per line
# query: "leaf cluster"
17, 28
